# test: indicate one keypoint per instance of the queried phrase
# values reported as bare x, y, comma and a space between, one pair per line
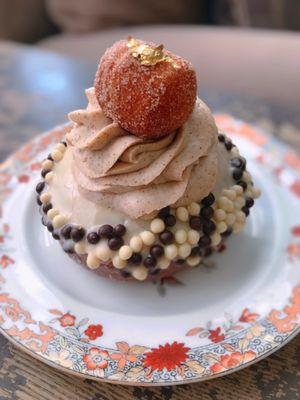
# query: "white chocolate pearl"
60, 147
140, 273
157, 225
180, 236
47, 164
59, 220
182, 214
171, 251
49, 177
125, 252
194, 209
240, 217
238, 189
92, 261
222, 201
256, 192
246, 177
45, 197
184, 250
237, 227
229, 206
219, 215
221, 227
231, 194
215, 238
136, 244
52, 213
163, 263
193, 236
118, 262
239, 202
56, 155
230, 219
147, 237
193, 261
80, 247
103, 252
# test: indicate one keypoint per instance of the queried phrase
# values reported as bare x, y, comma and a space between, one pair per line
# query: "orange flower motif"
36, 166
4, 178
215, 335
94, 331
96, 359
124, 356
292, 160
232, 360
12, 313
168, 356
247, 316
295, 188
5, 261
67, 320
293, 251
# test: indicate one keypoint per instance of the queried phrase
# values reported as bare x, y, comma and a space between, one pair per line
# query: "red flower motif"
5, 261
296, 230
67, 320
293, 251
1, 239
94, 331
215, 335
96, 359
168, 356
36, 166
295, 188
23, 178
247, 316
232, 360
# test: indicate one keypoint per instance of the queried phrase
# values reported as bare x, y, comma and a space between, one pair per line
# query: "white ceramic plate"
212, 321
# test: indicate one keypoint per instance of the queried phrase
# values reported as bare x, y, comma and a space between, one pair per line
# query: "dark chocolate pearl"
166, 237
157, 251
106, 231
249, 202
46, 207
221, 137
237, 174
195, 251
125, 274
77, 233
68, 248
55, 235
119, 230
38, 200
180, 261
170, 220
208, 252
164, 212
208, 200
64, 143
44, 172
44, 221
150, 262
40, 187
50, 227
238, 162
208, 227
115, 243
66, 231
93, 237
228, 145
242, 184
195, 223
228, 232
136, 259
204, 241
206, 212
50, 157
154, 271
246, 211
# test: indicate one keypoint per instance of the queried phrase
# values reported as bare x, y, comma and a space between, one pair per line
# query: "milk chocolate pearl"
46, 207
208, 227
237, 174
44, 172
115, 243
93, 237
40, 187
195, 223
166, 237
77, 233
38, 200
208, 200
164, 212
66, 231
119, 230
249, 202
157, 251
150, 261
106, 231
170, 220
135, 259
221, 137
50, 227
204, 241
207, 212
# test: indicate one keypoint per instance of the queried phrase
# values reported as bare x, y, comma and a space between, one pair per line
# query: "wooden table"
37, 90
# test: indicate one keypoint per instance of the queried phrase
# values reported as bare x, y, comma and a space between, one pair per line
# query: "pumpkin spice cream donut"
143, 185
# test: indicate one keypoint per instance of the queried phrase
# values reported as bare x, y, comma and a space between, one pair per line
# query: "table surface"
37, 90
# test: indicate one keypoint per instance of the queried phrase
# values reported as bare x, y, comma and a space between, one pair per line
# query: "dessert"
143, 186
